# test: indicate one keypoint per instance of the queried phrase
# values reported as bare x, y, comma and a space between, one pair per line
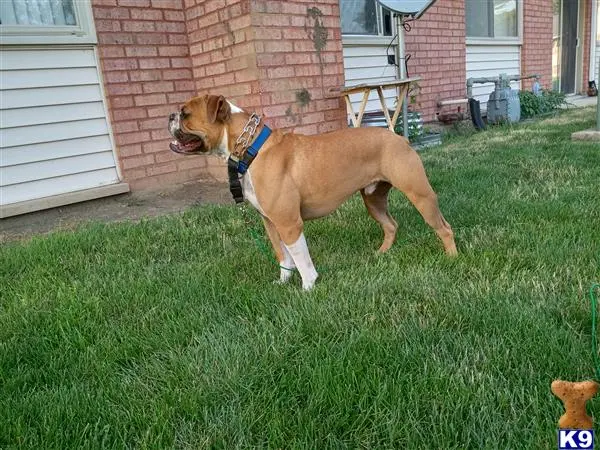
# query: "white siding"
368, 64
597, 62
491, 61
54, 134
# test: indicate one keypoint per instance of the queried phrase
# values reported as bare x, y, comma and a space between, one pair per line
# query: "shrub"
534, 105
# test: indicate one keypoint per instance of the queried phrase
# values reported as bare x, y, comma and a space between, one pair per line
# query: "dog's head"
198, 126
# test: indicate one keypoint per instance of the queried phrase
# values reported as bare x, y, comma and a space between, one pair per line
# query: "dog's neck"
234, 128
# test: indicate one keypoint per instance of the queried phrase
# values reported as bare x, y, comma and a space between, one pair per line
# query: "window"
365, 17
492, 18
45, 22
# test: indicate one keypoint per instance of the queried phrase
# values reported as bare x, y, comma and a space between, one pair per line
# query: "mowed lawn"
170, 334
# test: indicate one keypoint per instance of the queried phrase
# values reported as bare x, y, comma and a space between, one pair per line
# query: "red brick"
158, 86
150, 99
112, 52
164, 156
173, 51
119, 64
137, 161
153, 124
146, 14
139, 26
140, 51
155, 63
123, 89
181, 62
145, 75
177, 74
171, 27
168, 4
115, 38
130, 150
125, 127
116, 77
132, 138
121, 102
129, 113
162, 111
178, 16
162, 133
161, 169
136, 3
151, 38
111, 13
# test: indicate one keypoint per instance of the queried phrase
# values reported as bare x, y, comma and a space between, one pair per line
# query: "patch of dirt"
131, 206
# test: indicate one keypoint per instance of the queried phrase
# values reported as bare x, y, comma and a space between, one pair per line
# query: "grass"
169, 334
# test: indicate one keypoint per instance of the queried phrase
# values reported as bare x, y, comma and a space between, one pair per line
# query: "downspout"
592, 74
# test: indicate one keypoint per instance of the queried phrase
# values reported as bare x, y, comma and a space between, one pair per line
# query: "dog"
293, 177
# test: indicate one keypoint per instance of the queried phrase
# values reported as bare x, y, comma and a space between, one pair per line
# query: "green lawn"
169, 333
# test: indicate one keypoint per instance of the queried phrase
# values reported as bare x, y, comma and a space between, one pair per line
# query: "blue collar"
253, 150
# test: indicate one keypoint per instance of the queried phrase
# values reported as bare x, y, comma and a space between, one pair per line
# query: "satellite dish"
414, 8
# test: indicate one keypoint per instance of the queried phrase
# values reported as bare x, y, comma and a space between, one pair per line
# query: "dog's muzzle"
184, 143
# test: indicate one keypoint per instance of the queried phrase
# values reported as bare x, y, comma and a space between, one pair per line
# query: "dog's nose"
172, 116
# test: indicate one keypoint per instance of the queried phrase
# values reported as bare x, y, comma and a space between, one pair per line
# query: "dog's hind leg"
376, 202
286, 262
414, 184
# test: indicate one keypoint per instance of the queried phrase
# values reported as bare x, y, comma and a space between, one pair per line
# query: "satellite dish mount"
403, 9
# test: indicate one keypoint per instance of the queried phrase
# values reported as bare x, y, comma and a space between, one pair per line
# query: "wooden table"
401, 87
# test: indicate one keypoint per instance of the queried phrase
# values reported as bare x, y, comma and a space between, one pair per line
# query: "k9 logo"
575, 439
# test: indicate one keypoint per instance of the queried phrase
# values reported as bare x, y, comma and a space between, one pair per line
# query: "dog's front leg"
299, 251
286, 262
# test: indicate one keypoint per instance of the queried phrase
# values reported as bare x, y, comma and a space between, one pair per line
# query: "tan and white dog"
296, 177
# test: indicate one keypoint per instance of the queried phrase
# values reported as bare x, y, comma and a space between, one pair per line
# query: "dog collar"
252, 150
235, 168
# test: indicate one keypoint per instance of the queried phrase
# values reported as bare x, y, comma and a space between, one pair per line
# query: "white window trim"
518, 40
82, 33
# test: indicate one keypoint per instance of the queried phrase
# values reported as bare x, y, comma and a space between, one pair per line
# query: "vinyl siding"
491, 61
368, 64
54, 133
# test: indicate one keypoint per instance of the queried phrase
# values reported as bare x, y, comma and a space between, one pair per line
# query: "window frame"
370, 38
517, 40
82, 33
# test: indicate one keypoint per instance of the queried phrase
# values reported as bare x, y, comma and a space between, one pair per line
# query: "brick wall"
262, 55
144, 56
300, 64
536, 52
437, 47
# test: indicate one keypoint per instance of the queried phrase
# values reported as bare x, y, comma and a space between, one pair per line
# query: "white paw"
308, 284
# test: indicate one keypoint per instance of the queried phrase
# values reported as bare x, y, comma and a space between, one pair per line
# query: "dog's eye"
183, 115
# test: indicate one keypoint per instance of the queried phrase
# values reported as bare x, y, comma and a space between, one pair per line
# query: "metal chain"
248, 132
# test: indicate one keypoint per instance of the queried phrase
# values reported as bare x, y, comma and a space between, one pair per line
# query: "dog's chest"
249, 192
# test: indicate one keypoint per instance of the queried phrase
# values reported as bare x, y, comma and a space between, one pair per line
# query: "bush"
534, 105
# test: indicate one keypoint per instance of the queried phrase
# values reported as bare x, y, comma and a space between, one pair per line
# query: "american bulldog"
290, 178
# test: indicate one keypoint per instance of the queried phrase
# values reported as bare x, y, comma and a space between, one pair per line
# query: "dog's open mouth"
187, 144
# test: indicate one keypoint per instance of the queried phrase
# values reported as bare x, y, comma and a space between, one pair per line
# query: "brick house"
87, 85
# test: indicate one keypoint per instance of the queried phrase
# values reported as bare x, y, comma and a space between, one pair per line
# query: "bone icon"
574, 396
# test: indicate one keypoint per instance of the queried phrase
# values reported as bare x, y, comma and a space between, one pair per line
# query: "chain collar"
244, 139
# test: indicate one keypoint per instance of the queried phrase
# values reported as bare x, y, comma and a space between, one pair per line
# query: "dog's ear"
217, 108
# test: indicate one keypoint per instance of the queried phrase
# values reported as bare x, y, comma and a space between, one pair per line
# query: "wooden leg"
351, 111
363, 105
384, 108
402, 91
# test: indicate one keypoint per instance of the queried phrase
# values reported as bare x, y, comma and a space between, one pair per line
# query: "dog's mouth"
187, 144
184, 143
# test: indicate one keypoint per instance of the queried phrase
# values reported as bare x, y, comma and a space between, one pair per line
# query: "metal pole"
400, 56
